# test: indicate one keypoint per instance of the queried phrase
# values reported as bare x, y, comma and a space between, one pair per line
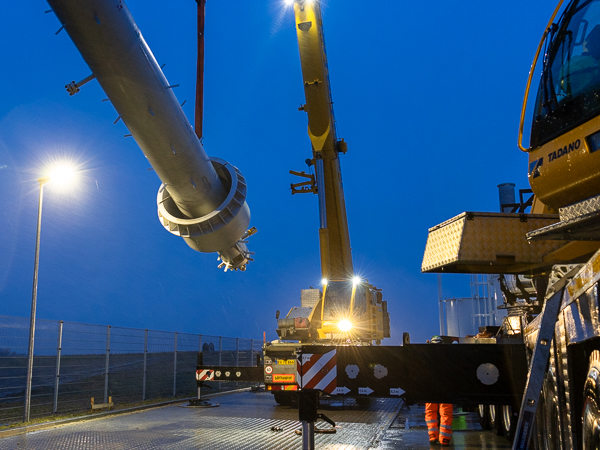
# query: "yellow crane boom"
334, 239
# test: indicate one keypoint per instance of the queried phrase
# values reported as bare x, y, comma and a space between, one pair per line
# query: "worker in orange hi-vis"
439, 429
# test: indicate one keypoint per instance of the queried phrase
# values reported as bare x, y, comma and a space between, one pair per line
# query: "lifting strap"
199, 112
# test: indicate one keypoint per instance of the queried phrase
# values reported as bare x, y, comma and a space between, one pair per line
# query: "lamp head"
59, 174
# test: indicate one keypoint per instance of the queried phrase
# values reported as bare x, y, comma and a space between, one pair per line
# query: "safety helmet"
437, 340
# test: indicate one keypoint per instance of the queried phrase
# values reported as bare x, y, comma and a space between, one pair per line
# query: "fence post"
199, 350
237, 352
237, 355
107, 361
220, 359
58, 350
145, 359
175, 367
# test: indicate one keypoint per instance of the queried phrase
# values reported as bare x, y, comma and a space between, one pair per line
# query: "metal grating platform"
578, 221
579, 209
243, 421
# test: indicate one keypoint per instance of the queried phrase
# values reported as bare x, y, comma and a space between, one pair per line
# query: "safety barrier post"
57, 376
175, 367
145, 365
107, 362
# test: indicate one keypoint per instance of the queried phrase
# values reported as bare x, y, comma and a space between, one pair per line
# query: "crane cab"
564, 156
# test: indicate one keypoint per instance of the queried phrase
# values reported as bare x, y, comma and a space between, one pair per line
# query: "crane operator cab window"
344, 300
569, 91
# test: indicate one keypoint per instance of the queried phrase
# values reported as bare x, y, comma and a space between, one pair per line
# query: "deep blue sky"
427, 95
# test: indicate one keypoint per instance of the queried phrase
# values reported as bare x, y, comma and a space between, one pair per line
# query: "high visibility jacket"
439, 429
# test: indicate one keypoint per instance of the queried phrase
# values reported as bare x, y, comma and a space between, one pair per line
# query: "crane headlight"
345, 325
356, 281
324, 281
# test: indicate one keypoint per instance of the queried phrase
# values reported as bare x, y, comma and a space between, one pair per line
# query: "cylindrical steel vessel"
107, 37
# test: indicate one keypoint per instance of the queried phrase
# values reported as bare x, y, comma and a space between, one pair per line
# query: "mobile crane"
349, 310
349, 307
323, 357
557, 254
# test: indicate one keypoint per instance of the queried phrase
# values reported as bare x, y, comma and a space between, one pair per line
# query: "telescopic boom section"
336, 257
201, 199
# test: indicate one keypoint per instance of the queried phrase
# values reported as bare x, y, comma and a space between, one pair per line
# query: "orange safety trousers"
441, 430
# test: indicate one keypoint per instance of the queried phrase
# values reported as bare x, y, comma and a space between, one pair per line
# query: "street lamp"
59, 175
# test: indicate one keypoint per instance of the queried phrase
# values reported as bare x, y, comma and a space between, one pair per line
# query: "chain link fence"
75, 362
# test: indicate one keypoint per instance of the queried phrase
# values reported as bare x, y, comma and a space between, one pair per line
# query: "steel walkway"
242, 421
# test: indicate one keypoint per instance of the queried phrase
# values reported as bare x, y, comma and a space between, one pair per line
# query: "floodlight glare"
356, 281
345, 325
61, 174
324, 281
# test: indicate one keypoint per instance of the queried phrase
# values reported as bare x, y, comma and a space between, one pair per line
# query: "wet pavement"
409, 431
252, 420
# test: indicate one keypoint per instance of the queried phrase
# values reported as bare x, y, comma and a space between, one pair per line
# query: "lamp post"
61, 174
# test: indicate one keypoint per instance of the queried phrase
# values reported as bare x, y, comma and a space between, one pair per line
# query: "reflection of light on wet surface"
243, 421
467, 434
247, 421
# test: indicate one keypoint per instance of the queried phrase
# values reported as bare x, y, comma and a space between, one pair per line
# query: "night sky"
427, 95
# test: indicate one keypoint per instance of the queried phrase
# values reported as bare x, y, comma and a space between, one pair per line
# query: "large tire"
591, 413
536, 437
484, 417
363, 402
286, 398
509, 422
495, 412
548, 416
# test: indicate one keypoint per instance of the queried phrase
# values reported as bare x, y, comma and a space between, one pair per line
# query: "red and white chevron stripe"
318, 371
205, 375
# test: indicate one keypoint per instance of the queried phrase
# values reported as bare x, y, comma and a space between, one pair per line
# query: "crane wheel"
289, 398
591, 412
548, 415
495, 419
484, 417
509, 422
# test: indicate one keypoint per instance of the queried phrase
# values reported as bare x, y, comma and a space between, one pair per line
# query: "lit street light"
59, 175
